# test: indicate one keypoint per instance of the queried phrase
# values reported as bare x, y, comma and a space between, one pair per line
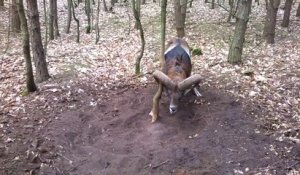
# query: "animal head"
176, 72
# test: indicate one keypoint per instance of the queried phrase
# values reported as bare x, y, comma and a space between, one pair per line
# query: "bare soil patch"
210, 135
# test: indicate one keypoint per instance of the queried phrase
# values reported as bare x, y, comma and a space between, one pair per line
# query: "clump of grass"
24, 92
196, 51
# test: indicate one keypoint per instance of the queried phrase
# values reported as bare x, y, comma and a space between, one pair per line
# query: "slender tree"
138, 10
298, 11
30, 84
270, 21
69, 16
105, 6
46, 28
163, 31
56, 29
88, 14
231, 3
36, 42
287, 13
53, 20
140, 27
212, 4
191, 3
97, 23
77, 22
14, 17
155, 101
180, 15
237, 43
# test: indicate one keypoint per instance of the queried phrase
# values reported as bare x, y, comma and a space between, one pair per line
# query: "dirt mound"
210, 135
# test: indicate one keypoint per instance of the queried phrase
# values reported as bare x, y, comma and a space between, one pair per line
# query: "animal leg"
196, 91
155, 103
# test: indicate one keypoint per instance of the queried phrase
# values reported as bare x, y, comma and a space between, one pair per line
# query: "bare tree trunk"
270, 21
163, 31
138, 9
112, 4
1, 3
15, 19
287, 13
97, 23
105, 6
46, 27
51, 19
144, 2
231, 2
155, 101
77, 22
69, 16
30, 84
191, 3
36, 42
180, 14
298, 11
88, 14
56, 29
237, 43
140, 27
212, 4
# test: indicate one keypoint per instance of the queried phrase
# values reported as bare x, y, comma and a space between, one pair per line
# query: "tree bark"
97, 23
191, 3
163, 31
287, 13
69, 16
51, 20
77, 22
14, 17
1, 3
30, 84
105, 6
230, 2
298, 11
237, 43
138, 10
212, 4
56, 29
36, 42
46, 27
155, 101
140, 27
88, 14
270, 21
180, 15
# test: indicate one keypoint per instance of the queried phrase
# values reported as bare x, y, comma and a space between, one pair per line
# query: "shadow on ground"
209, 135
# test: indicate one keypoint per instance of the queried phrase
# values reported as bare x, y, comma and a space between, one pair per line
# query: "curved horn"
164, 79
188, 82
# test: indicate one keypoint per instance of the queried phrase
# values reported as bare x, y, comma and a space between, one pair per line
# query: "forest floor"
91, 117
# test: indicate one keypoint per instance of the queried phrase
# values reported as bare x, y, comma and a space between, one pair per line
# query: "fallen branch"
162, 163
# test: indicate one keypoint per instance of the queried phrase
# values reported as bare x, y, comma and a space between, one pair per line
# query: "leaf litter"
269, 77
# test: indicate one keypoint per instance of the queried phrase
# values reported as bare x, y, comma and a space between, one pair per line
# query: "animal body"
176, 75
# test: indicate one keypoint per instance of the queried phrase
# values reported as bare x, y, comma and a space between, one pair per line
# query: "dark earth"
214, 135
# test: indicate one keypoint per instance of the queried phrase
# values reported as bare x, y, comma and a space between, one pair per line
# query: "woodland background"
254, 58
